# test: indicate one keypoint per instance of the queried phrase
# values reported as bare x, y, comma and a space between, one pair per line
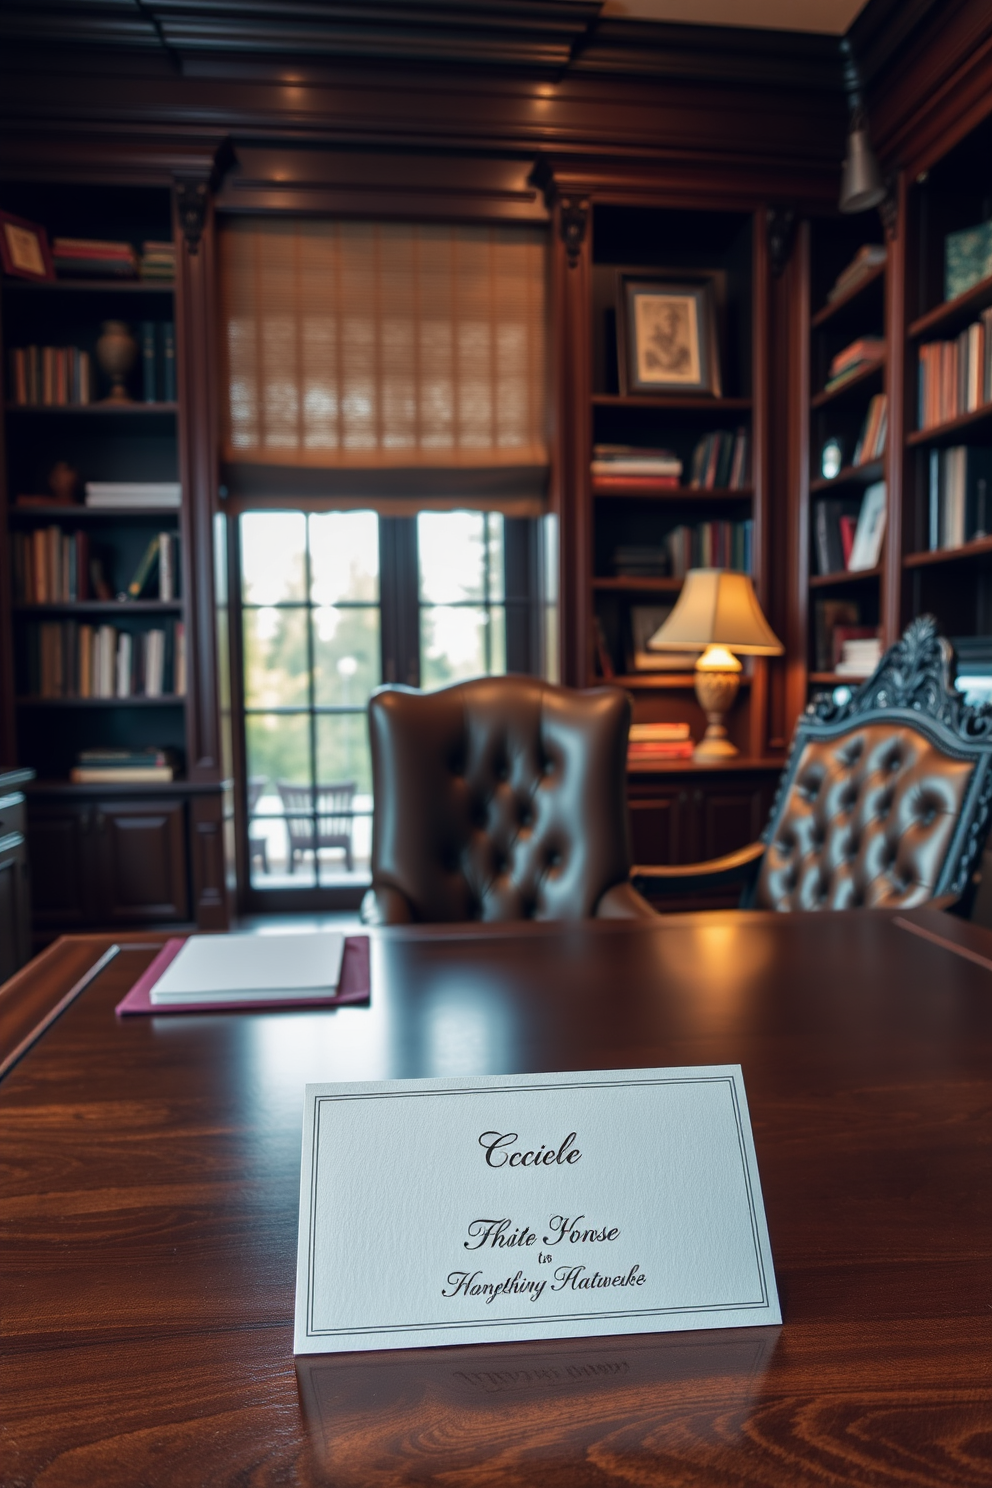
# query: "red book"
607, 483
848, 527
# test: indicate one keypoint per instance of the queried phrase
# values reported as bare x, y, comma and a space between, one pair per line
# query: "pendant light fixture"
861, 184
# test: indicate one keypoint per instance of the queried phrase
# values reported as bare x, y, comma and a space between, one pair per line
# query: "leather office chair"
884, 801
502, 798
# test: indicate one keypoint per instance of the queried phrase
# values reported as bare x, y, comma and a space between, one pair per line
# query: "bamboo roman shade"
353, 344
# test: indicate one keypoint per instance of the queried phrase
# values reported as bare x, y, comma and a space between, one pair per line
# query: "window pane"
343, 752
276, 663
460, 556
343, 760
346, 654
344, 557
272, 557
458, 643
278, 758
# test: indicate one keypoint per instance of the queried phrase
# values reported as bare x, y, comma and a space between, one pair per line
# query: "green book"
143, 572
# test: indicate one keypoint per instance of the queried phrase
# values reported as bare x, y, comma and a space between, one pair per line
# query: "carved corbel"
573, 219
781, 228
192, 196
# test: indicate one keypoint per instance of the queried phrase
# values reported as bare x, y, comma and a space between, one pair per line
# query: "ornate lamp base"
718, 679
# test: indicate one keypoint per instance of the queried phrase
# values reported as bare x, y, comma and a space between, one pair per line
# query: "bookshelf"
114, 853
946, 511
661, 244
840, 316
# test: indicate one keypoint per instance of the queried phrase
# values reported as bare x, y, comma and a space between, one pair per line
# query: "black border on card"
543, 1320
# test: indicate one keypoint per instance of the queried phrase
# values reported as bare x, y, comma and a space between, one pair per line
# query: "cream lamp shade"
717, 613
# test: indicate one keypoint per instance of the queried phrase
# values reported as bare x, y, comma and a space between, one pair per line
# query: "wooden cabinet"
109, 862
15, 903
680, 815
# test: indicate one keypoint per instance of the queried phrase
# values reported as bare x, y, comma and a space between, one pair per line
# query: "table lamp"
717, 613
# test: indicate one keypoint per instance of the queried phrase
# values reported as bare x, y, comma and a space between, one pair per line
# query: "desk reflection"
523, 1413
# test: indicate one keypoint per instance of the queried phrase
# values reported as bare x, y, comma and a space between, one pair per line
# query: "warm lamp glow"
717, 613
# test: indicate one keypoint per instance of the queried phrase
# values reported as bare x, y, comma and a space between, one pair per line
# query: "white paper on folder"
215, 968
444, 1211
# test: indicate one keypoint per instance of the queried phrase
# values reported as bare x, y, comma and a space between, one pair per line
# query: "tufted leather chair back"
498, 799
886, 798
867, 821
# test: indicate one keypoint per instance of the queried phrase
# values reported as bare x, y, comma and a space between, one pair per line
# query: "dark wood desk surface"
148, 1199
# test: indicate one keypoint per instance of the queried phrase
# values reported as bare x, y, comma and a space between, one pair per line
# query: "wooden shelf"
846, 576
76, 513
980, 548
169, 701
89, 286
941, 432
859, 383
94, 410
953, 313
672, 681
851, 475
101, 607
836, 308
625, 585
675, 493
677, 402
120, 787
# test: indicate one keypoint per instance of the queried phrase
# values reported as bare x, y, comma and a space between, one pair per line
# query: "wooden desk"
148, 1198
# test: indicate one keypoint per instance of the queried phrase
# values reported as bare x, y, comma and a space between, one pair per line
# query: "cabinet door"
657, 822
15, 938
64, 889
141, 861
729, 815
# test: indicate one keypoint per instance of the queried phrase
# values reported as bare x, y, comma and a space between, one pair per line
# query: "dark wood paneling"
141, 861
63, 882
657, 823
210, 895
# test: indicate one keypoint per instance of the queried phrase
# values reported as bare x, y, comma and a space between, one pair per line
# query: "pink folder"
353, 987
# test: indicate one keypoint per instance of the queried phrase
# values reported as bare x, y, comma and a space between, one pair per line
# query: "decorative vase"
116, 351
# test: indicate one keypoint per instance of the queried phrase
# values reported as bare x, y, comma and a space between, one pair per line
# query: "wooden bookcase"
954, 584
100, 855
839, 414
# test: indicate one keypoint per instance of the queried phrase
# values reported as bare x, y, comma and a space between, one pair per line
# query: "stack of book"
859, 655
956, 376
158, 361
50, 566
92, 258
720, 461
158, 261
871, 440
633, 561
650, 742
867, 351
973, 675
628, 467
67, 659
833, 621
112, 495
960, 492
50, 376
710, 545
862, 266
124, 767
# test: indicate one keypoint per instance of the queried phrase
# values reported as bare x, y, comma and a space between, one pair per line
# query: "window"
321, 628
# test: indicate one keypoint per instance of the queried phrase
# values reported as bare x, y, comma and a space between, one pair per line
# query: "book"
606, 483
94, 258
871, 529
639, 754
148, 379
658, 733
960, 496
121, 774
864, 263
111, 494
240, 968
871, 440
829, 548
967, 259
167, 565
865, 349
168, 343
143, 572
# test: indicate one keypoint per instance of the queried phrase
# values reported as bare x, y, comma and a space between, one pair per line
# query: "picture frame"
870, 531
24, 250
644, 621
667, 335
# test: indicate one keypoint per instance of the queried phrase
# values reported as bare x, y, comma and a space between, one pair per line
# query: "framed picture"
666, 330
24, 250
644, 621
870, 530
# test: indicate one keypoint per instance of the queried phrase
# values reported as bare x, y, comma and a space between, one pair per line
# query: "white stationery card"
435, 1212
242, 967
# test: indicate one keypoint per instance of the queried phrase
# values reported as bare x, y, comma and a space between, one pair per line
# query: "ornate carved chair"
884, 801
502, 798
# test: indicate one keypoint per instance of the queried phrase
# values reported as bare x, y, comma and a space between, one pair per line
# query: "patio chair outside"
334, 815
